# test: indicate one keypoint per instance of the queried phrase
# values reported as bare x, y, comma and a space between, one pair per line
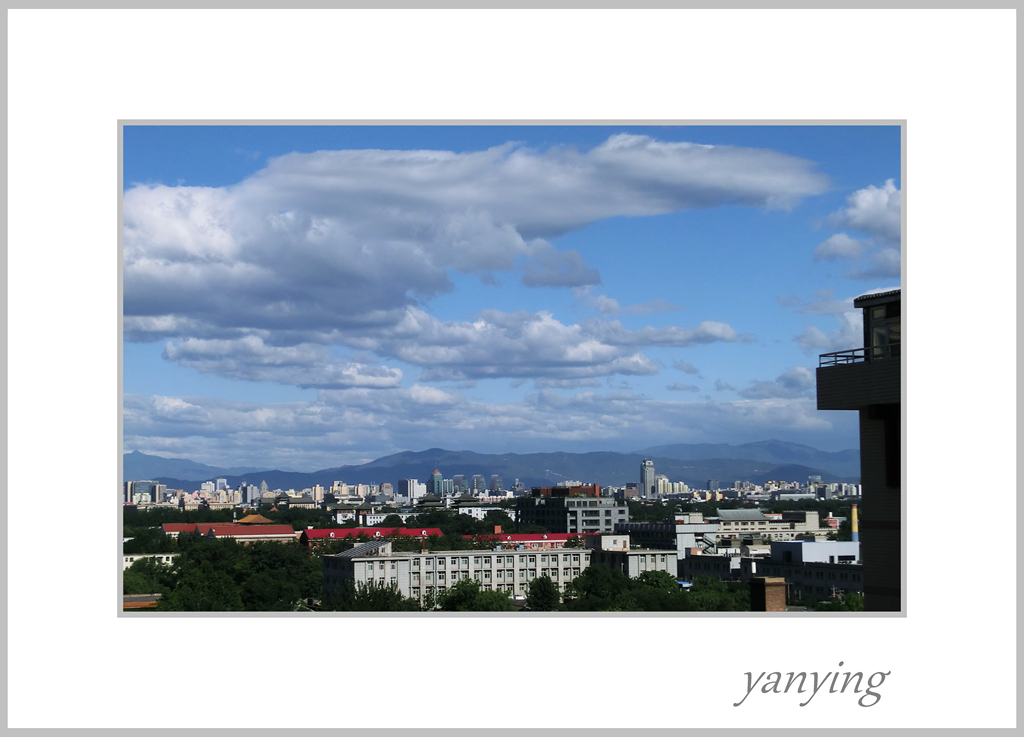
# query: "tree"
848, 602
543, 595
371, 597
203, 589
708, 594
147, 540
466, 596
495, 518
270, 591
146, 576
600, 589
392, 520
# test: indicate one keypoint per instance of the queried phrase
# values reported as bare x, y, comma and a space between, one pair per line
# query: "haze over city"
308, 297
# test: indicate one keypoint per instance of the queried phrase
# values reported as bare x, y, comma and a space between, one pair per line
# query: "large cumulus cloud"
875, 214
346, 248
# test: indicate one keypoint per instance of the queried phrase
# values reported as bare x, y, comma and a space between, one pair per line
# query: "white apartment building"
418, 575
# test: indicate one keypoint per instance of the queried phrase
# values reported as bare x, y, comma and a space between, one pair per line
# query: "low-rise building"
752, 523
616, 552
317, 537
570, 510
680, 532
819, 569
224, 530
422, 575
696, 562
164, 558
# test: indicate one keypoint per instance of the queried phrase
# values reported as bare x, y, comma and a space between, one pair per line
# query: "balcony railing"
859, 355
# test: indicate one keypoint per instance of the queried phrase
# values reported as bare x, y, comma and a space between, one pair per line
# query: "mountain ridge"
608, 468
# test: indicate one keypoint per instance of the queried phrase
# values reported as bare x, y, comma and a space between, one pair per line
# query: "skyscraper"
434, 483
647, 488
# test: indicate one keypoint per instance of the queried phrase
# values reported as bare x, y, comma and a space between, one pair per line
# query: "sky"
306, 297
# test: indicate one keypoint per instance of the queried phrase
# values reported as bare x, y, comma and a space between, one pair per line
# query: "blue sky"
312, 296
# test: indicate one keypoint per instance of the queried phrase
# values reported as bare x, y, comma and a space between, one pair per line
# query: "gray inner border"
496, 615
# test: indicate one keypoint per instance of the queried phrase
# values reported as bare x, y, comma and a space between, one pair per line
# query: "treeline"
225, 576
597, 589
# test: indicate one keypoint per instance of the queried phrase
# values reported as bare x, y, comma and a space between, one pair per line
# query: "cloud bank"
346, 248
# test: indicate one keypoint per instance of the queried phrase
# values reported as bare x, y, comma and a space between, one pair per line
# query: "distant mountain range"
141, 466
842, 463
694, 464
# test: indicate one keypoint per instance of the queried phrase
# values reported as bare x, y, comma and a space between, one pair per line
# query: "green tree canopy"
466, 596
146, 576
543, 595
371, 597
203, 589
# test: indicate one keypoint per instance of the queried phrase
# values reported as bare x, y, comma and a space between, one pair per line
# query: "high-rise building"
496, 483
479, 484
141, 491
459, 483
434, 483
647, 487
868, 380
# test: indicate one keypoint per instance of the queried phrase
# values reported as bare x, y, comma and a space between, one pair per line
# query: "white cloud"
886, 264
838, 246
849, 334
358, 424
685, 367
708, 331
552, 268
332, 242
875, 211
608, 306
304, 365
792, 383
683, 387
600, 302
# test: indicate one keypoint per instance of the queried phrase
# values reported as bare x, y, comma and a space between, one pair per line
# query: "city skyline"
314, 296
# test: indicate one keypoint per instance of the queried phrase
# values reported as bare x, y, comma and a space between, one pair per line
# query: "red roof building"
232, 530
353, 533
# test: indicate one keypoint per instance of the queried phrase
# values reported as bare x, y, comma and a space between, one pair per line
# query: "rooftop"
866, 300
755, 515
